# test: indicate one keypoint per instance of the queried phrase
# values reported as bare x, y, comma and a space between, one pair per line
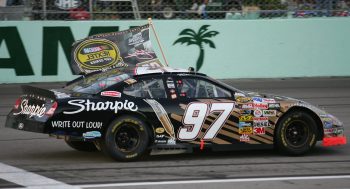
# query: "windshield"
96, 83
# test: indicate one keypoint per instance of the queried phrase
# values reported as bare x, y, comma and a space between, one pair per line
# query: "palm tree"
190, 37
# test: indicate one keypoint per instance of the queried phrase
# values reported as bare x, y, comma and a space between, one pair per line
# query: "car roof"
161, 70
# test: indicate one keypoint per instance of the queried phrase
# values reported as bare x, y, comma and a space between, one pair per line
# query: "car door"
209, 113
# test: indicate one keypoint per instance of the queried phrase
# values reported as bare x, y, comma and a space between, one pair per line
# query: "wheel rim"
127, 138
297, 133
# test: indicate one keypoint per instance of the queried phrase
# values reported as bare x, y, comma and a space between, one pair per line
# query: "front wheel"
296, 133
126, 139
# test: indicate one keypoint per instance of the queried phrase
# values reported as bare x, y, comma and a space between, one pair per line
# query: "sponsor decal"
136, 39
257, 99
87, 105
31, 110
160, 136
60, 95
261, 122
245, 112
243, 99
269, 113
77, 124
160, 130
274, 106
244, 138
67, 4
268, 100
130, 81
248, 106
171, 141
259, 130
244, 118
170, 83
111, 93
328, 124
96, 54
244, 124
161, 141
261, 106
330, 131
141, 55
258, 113
245, 129
92, 134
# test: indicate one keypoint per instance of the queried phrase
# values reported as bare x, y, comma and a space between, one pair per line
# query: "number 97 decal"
195, 116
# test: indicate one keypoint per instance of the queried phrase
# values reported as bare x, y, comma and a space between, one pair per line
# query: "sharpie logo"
87, 105
31, 110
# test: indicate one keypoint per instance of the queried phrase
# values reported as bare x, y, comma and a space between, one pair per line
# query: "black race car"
129, 112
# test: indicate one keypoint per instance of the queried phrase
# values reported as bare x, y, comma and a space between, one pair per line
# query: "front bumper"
334, 141
22, 123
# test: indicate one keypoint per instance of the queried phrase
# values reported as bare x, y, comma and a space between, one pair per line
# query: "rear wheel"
126, 139
296, 133
81, 145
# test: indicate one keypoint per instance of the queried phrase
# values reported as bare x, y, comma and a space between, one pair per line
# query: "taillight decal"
17, 103
52, 109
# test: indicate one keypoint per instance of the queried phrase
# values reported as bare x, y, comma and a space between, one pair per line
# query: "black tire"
81, 145
126, 139
296, 133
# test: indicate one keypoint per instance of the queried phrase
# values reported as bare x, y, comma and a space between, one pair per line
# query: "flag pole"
158, 41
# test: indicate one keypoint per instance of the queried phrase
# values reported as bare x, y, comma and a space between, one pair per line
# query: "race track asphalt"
53, 159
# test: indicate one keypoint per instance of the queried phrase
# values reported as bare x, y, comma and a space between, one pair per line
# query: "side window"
150, 88
197, 88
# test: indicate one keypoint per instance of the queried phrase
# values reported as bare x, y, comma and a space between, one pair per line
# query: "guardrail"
171, 9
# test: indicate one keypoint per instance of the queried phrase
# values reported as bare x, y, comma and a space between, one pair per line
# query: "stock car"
128, 113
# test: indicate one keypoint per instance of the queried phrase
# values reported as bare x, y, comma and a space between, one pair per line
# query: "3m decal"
31, 110
111, 93
87, 105
269, 113
259, 130
195, 115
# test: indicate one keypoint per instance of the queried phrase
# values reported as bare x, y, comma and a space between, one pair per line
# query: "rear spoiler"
38, 91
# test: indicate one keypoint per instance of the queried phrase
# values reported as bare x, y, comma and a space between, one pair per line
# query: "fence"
169, 9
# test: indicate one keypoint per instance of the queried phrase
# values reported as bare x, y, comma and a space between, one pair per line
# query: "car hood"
286, 103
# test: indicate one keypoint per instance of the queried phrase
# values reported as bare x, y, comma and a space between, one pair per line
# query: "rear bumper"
334, 141
20, 123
